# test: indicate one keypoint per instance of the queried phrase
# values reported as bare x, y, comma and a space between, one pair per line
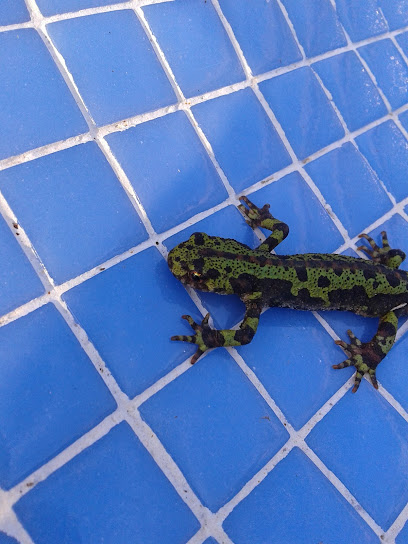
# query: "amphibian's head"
208, 263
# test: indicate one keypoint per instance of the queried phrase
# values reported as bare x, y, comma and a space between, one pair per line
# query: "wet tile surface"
126, 128
37, 107
121, 458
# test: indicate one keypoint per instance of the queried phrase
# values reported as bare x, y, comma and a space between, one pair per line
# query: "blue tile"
231, 444
262, 33
169, 169
293, 355
311, 229
363, 327
359, 103
18, 281
88, 217
52, 7
113, 64
361, 19
130, 331
389, 69
295, 503
397, 231
392, 373
402, 538
375, 471
404, 119
350, 187
5, 539
396, 12
195, 44
228, 223
210, 540
50, 393
13, 12
386, 149
301, 107
124, 494
244, 141
316, 24
37, 107
402, 40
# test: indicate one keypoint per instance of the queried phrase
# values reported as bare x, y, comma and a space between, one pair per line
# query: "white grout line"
127, 410
184, 104
124, 124
130, 4
10, 524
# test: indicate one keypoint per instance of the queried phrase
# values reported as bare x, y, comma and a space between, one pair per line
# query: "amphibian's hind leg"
366, 356
383, 255
261, 217
206, 338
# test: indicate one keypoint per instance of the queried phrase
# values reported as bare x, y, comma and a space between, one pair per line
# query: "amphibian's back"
325, 281
311, 281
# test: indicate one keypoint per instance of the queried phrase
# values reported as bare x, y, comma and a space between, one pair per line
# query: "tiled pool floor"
125, 127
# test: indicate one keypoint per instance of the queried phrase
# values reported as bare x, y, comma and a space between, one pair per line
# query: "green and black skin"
311, 281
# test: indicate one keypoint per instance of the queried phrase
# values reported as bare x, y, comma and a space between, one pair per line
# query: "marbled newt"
311, 281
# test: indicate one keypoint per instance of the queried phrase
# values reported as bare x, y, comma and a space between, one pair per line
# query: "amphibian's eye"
195, 275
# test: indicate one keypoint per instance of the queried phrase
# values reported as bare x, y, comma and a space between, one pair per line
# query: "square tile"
303, 110
293, 501
227, 223
5, 539
262, 33
389, 69
237, 435
111, 492
169, 169
350, 186
50, 393
195, 44
402, 40
386, 149
13, 12
361, 19
52, 7
310, 228
113, 64
375, 471
392, 371
87, 218
402, 538
18, 281
292, 355
245, 143
397, 230
359, 103
37, 106
403, 117
396, 12
316, 24
129, 313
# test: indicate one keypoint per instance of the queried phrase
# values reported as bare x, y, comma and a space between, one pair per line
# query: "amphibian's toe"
360, 356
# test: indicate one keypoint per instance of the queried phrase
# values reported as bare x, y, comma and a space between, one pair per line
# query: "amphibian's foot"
205, 337
254, 216
362, 356
383, 255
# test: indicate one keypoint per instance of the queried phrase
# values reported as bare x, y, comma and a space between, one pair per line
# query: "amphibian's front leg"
206, 338
383, 255
366, 356
261, 217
